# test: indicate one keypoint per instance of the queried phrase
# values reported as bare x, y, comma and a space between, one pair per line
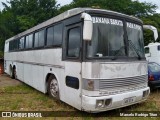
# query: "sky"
64, 2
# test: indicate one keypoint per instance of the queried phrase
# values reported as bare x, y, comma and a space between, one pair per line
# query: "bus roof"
153, 44
65, 15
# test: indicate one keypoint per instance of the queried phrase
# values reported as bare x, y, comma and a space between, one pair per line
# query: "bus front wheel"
53, 89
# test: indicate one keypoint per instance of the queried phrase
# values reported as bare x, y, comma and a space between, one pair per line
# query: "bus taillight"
151, 77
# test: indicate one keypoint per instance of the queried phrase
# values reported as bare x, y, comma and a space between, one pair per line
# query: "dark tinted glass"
147, 50
107, 39
36, 40
50, 36
21, 43
27, 41
135, 37
73, 42
158, 47
58, 34
30, 41
41, 38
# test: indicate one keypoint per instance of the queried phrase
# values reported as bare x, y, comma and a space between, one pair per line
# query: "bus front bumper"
104, 103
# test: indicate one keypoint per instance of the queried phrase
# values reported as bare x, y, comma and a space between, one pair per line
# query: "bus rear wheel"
53, 88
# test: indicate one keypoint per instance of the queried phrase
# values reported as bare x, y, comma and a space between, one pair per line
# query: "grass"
25, 98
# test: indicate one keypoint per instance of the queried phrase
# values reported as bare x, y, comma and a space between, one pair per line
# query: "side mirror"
155, 31
87, 27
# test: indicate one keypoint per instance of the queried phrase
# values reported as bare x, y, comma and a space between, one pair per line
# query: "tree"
123, 6
151, 20
31, 12
21, 15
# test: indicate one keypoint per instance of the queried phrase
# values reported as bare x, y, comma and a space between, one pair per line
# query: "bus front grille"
122, 83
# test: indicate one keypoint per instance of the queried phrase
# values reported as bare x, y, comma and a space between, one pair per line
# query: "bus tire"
53, 88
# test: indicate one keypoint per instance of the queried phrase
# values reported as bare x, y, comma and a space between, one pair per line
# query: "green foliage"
124, 6
1, 54
21, 15
151, 20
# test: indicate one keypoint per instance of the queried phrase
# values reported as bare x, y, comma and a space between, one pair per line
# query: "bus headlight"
103, 103
99, 103
90, 85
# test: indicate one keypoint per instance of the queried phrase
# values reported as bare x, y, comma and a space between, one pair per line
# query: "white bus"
152, 50
91, 59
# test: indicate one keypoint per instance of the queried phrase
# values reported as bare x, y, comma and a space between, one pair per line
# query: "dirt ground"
5, 80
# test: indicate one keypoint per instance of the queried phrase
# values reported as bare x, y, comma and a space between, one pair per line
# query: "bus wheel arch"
52, 86
14, 73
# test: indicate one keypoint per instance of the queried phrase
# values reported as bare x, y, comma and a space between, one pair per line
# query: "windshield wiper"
117, 53
133, 46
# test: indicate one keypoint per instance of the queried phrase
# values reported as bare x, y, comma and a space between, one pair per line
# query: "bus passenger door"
72, 58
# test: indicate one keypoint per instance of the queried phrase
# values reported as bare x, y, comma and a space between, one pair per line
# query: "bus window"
54, 35
36, 40
57, 34
10, 46
146, 50
158, 47
73, 42
50, 36
21, 43
29, 41
39, 39
26, 43
15, 45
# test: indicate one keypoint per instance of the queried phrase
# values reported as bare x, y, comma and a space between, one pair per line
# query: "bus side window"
147, 50
57, 34
29, 41
54, 35
21, 43
158, 47
73, 43
39, 39
50, 36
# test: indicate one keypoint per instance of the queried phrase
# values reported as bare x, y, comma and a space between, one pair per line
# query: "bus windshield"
108, 39
135, 37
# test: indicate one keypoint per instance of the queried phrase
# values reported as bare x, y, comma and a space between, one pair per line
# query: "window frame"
109, 59
65, 48
37, 31
148, 50
24, 38
53, 46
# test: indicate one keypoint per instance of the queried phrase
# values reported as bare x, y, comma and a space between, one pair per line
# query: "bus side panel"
7, 68
19, 70
28, 74
38, 77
